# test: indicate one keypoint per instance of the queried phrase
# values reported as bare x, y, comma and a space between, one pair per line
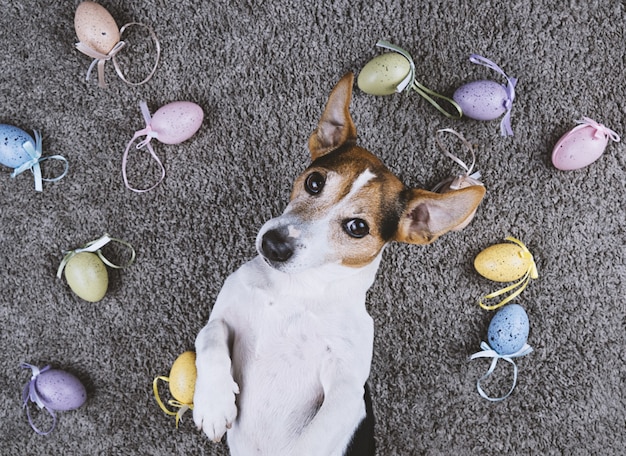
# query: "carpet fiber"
262, 71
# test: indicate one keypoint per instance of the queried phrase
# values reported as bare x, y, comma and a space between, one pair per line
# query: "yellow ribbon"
521, 285
172, 402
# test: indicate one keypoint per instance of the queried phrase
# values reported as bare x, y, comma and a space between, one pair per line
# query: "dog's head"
347, 205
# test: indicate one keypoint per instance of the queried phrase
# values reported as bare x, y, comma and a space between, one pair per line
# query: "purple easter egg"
177, 121
482, 100
508, 330
59, 390
12, 140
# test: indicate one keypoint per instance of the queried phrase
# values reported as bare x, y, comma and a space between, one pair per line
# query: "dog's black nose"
275, 246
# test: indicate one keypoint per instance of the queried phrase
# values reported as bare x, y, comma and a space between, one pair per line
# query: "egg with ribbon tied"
85, 270
20, 151
506, 262
52, 390
100, 39
173, 123
582, 145
182, 383
488, 100
394, 72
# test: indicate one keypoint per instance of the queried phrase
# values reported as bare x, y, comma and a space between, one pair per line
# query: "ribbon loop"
182, 408
410, 82
30, 394
488, 352
100, 59
456, 181
95, 247
505, 124
149, 133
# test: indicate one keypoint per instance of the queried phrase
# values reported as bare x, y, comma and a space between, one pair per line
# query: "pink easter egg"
177, 121
581, 146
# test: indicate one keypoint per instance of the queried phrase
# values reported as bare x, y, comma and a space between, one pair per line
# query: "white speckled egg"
508, 330
382, 74
482, 100
60, 390
95, 27
12, 140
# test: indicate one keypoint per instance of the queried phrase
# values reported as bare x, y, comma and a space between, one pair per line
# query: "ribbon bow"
100, 59
35, 152
30, 394
94, 247
182, 408
531, 273
410, 82
149, 133
600, 132
488, 352
457, 181
505, 124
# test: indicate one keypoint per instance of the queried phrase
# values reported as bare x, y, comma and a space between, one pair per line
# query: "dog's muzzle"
276, 245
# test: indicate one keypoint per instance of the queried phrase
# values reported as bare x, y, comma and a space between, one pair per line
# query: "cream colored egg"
183, 377
382, 74
87, 276
95, 27
503, 262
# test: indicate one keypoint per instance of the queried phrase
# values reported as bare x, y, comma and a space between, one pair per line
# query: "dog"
283, 362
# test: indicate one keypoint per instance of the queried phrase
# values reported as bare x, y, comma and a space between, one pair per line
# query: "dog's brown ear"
428, 215
335, 127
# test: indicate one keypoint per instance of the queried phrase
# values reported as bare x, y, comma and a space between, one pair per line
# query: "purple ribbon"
505, 124
30, 394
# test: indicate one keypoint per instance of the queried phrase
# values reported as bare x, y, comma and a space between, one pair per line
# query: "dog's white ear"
428, 215
335, 127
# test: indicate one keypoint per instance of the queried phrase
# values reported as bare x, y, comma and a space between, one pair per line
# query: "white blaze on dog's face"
343, 210
347, 205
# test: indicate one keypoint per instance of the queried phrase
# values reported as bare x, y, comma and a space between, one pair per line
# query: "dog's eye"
314, 183
356, 228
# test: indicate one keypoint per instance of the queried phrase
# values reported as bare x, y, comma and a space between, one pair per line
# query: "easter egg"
12, 140
482, 100
183, 377
383, 74
578, 148
177, 121
87, 276
508, 329
95, 27
503, 262
60, 390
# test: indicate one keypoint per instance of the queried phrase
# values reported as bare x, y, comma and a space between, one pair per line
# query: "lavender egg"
59, 390
508, 330
482, 100
12, 140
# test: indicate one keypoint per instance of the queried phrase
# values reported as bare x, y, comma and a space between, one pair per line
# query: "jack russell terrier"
283, 361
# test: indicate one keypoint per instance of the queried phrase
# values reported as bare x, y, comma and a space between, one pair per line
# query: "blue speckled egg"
12, 152
482, 100
60, 390
508, 330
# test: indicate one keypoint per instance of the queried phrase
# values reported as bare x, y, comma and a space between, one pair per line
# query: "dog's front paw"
214, 408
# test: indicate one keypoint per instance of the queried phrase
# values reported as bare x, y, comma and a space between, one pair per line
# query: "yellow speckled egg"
503, 262
87, 276
183, 377
95, 27
382, 74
